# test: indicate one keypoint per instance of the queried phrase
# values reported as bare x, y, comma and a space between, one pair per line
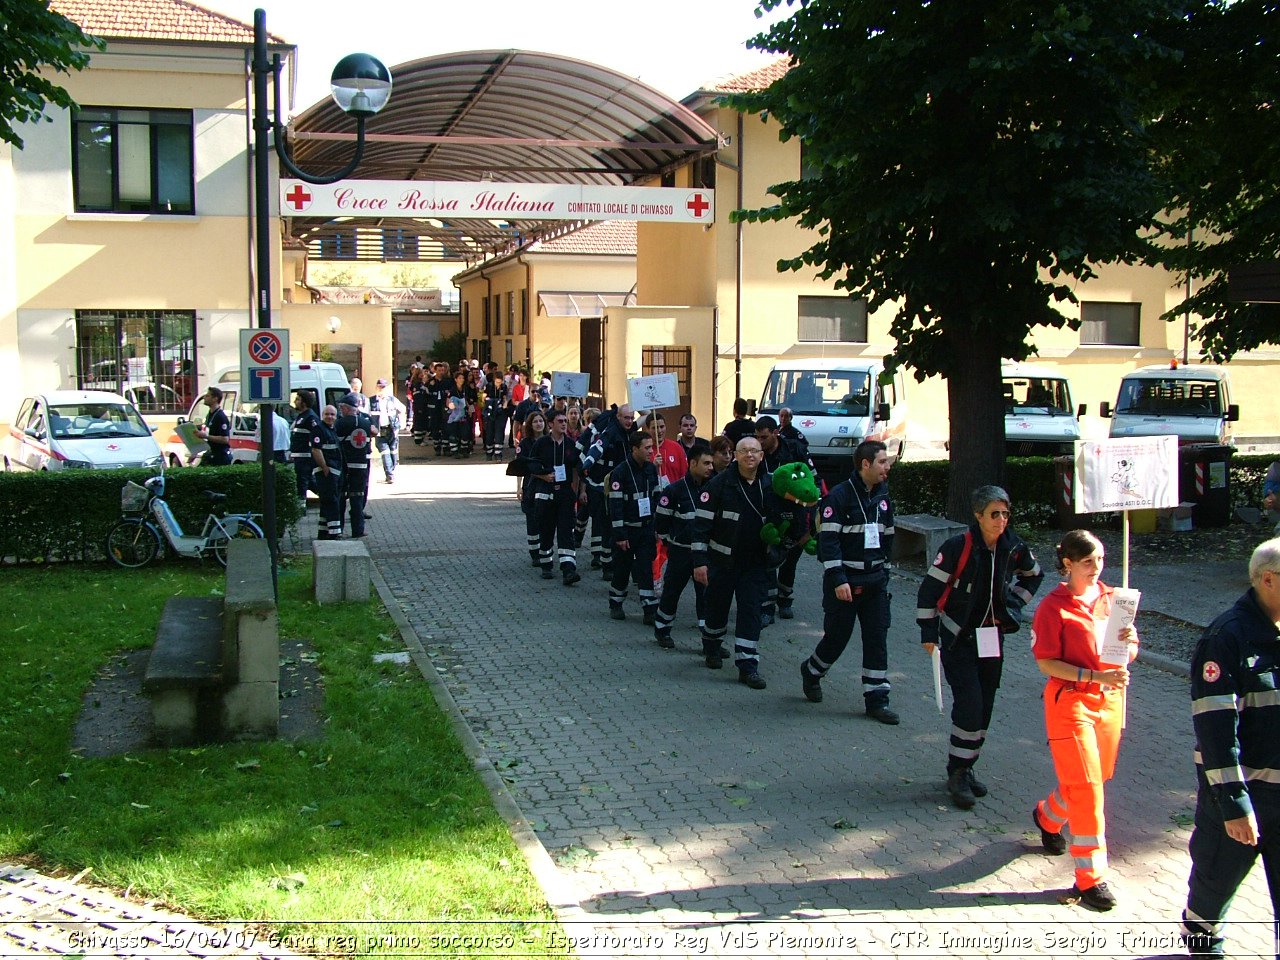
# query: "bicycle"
136, 540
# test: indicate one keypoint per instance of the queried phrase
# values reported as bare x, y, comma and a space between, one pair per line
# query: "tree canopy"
970, 164
33, 40
1219, 148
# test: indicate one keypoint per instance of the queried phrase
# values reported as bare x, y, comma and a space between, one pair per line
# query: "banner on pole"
654, 392
1134, 473
566, 384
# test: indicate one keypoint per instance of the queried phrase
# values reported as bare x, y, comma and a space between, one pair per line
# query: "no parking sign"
264, 365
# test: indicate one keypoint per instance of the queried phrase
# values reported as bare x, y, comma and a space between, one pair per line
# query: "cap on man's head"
349, 401
382, 381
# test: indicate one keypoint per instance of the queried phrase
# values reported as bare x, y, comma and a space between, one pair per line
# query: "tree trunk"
977, 418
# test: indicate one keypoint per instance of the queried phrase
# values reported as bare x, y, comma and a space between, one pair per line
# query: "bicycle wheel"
234, 527
133, 543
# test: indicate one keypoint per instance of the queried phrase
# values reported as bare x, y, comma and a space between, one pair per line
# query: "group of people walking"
669, 514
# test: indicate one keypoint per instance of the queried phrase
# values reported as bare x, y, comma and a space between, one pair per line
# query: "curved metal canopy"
503, 115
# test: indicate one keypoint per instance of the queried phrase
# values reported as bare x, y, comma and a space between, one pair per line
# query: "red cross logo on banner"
359, 439
298, 197
698, 206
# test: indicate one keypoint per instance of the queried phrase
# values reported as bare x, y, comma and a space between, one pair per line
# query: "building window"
677, 360
147, 355
524, 311
336, 246
399, 244
466, 317
485, 303
832, 320
668, 178
704, 173
133, 161
511, 314
1113, 324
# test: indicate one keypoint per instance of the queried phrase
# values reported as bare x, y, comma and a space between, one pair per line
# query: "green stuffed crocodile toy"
794, 482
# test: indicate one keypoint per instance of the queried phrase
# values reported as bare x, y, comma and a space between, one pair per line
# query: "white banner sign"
453, 200
655, 392
1138, 473
569, 384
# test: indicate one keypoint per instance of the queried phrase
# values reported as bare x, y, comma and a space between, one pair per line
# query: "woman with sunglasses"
970, 598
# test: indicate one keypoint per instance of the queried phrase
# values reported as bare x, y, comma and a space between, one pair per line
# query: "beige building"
711, 305
126, 234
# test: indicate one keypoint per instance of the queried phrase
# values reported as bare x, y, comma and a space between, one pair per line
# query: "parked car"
87, 429
1192, 403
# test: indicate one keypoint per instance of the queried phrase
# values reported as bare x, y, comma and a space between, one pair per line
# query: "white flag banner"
1133, 473
654, 392
565, 384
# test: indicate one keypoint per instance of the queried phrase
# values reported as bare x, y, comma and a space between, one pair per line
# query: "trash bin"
1204, 480
1064, 504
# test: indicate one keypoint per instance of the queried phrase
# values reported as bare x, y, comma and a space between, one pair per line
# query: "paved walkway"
697, 817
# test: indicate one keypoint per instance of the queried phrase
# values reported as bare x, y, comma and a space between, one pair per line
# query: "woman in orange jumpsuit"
1083, 712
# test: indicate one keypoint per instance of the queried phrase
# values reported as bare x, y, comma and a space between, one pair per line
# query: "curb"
1161, 662
561, 893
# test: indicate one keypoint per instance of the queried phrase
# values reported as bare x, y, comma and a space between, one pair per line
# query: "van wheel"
7, 466
175, 461
902, 451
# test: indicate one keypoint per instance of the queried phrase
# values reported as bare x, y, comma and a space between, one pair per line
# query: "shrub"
65, 515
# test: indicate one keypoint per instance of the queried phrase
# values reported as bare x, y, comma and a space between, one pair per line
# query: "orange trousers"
1083, 723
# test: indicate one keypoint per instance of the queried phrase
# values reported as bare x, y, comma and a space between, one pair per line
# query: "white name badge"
871, 536
642, 506
560, 473
988, 641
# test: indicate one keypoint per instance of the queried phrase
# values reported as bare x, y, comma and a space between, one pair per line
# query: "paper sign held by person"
1113, 651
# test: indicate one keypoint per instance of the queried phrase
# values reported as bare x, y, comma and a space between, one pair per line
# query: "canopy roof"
503, 115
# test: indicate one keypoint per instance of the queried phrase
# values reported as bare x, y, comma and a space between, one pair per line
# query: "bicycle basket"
133, 497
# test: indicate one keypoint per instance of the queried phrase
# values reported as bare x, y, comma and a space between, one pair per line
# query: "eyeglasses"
1000, 515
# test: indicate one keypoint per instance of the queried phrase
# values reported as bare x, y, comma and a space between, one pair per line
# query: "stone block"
340, 571
174, 715
258, 642
251, 711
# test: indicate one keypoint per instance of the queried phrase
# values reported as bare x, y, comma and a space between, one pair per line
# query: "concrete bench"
214, 671
340, 571
922, 533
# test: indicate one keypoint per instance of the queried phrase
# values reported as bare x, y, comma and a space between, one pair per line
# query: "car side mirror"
1082, 409
751, 409
882, 412
34, 433
182, 420
1233, 412
1104, 409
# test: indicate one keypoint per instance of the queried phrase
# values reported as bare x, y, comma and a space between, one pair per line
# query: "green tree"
33, 40
1219, 142
968, 164
450, 349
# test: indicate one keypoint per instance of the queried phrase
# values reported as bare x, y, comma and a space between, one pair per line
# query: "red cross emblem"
698, 206
299, 197
1211, 672
359, 439
807, 423
113, 446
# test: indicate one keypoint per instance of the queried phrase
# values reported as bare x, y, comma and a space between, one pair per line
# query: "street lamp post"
361, 86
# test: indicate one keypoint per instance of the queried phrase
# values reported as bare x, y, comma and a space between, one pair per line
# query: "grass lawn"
379, 822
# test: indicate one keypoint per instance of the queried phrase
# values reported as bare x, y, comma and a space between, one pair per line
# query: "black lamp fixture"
361, 86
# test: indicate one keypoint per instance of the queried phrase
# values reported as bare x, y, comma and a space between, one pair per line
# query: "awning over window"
580, 304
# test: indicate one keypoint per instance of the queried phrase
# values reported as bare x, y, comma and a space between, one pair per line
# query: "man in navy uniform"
673, 520
1235, 673
326, 454
555, 498
633, 488
355, 433
855, 541
300, 442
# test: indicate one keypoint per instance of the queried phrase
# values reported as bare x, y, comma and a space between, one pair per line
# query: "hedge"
65, 515
920, 486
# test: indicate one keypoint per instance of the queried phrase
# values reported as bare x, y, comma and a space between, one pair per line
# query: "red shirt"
1063, 627
670, 459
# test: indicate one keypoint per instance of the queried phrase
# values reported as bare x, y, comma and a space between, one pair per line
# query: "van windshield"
1023, 395
832, 393
1170, 398
76, 421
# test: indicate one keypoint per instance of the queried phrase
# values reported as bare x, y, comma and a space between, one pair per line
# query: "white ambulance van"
1192, 403
1038, 416
325, 383
838, 403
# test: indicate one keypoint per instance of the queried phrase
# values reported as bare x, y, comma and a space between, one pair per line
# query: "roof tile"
154, 20
757, 79
606, 237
